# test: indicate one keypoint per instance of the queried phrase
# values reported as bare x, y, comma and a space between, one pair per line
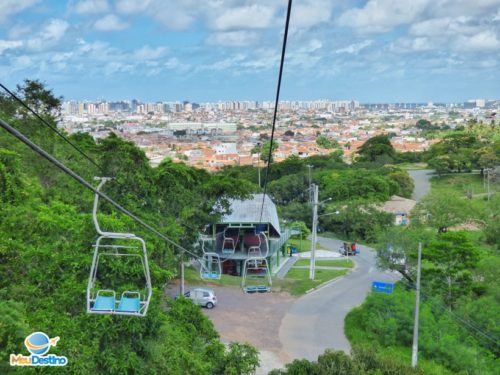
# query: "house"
250, 230
400, 207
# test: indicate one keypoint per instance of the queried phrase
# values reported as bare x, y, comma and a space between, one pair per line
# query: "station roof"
248, 212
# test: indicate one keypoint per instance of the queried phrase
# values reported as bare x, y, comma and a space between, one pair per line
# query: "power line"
474, 326
62, 135
468, 323
83, 182
54, 129
276, 103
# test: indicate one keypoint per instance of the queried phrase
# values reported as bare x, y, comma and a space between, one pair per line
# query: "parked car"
202, 296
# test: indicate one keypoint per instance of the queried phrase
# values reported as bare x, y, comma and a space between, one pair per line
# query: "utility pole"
182, 274
488, 180
310, 184
314, 232
258, 169
414, 351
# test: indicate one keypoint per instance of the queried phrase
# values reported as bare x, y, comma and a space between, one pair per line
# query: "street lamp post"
312, 266
310, 184
314, 232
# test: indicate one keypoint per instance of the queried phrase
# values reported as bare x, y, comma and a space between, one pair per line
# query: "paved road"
422, 182
315, 322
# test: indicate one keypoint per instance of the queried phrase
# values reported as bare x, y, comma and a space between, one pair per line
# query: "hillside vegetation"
46, 237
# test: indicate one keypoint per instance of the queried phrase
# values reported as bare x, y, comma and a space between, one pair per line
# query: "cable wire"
83, 182
54, 129
276, 103
468, 323
474, 326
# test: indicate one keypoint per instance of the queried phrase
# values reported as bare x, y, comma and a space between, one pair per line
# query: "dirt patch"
472, 226
252, 318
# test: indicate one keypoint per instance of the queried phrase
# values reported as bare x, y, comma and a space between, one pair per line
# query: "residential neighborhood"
214, 135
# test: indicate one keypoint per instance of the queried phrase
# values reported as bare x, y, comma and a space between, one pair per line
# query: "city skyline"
382, 51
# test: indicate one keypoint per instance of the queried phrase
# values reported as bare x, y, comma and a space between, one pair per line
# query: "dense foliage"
364, 360
46, 237
476, 147
386, 322
351, 190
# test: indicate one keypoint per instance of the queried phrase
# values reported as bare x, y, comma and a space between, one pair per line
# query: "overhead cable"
83, 182
276, 103
53, 128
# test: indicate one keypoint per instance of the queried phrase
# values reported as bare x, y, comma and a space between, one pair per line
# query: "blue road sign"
381, 287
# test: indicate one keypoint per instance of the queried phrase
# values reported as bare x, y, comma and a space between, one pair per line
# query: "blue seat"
263, 289
250, 289
104, 302
130, 304
210, 275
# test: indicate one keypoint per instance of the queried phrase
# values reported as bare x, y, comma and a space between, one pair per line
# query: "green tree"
240, 359
325, 142
424, 124
375, 148
441, 164
405, 182
448, 262
264, 150
444, 209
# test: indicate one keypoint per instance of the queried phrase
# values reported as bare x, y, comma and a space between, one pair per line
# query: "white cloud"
496, 17
91, 6
11, 7
224, 64
439, 27
314, 45
20, 31
132, 6
233, 38
9, 44
246, 17
149, 53
355, 47
483, 41
49, 35
383, 15
173, 15
110, 23
309, 13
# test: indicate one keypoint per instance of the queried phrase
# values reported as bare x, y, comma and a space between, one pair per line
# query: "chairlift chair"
103, 300
210, 266
229, 242
253, 241
259, 281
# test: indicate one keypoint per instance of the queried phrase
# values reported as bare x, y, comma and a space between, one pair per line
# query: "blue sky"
210, 50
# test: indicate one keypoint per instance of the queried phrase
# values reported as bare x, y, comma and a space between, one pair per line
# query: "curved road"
421, 177
315, 322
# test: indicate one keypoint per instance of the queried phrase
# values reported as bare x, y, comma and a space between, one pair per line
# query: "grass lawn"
297, 280
192, 277
330, 263
461, 183
306, 244
412, 165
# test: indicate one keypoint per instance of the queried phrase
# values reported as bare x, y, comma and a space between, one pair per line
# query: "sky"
209, 50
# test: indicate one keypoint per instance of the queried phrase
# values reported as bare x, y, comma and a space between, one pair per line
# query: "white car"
202, 296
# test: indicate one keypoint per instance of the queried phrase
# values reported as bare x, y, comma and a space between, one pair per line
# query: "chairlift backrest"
104, 301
